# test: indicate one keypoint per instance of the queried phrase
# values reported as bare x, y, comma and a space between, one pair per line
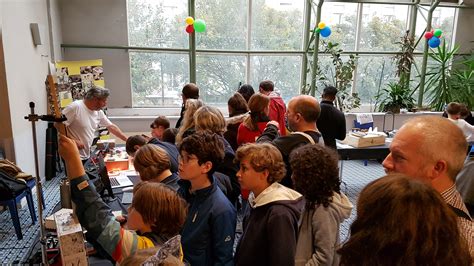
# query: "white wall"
26, 69
464, 34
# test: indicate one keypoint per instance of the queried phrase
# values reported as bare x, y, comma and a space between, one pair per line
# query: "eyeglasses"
186, 158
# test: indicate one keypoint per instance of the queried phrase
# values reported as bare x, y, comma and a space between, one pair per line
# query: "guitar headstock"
53, 102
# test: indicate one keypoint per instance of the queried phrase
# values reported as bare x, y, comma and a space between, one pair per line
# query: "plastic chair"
12, 206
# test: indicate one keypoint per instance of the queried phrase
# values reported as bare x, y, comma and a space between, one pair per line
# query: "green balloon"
438, 33
318, 30
199, 25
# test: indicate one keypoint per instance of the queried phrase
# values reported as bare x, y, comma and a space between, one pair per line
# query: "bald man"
433, 149
302, 113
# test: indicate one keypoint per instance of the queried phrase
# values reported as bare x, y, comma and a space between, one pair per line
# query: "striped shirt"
453, 198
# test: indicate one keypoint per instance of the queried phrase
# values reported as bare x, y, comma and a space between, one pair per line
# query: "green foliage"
462, 82
404, 59
343, 76
439, 84
382, 34
396, 96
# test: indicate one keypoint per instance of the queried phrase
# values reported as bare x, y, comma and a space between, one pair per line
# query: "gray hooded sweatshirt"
318, 237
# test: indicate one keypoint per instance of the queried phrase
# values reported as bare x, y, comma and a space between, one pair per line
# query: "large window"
157, 78
277, 25
341, 18
443, 18
283, 70
218, 76
226, 23
382, 27
157, 23
249, 41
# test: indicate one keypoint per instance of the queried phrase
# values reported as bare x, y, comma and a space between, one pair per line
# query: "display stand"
33, 118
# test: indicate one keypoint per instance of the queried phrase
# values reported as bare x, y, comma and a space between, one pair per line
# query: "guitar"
54, 105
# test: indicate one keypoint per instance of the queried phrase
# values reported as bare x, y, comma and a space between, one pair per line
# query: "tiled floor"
355, 176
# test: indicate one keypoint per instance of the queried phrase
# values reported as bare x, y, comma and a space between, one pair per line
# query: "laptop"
120, 180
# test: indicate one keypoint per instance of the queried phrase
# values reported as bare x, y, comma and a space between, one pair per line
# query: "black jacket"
286, 144
180, 120
331, 123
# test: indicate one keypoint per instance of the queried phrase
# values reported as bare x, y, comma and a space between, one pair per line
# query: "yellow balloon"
189, 21
321, 25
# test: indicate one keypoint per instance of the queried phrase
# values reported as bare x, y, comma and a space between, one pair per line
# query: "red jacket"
245, 135
277, 111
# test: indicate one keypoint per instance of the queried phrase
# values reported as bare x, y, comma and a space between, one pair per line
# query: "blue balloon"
325, 32
434, 42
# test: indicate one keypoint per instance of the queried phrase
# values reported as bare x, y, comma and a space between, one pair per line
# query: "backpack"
10, 187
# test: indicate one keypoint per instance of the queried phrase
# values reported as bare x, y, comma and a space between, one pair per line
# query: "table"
347, 152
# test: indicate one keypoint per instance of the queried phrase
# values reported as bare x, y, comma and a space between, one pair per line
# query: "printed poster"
74, 78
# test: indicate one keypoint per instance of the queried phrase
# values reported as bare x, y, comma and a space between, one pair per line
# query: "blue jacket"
209, 230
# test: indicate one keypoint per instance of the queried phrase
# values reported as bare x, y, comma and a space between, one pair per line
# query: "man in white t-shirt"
85, 116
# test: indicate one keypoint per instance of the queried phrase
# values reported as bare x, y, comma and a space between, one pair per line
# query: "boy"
271, 227
209, 230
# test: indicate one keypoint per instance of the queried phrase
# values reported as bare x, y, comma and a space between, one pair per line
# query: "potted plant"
395, 97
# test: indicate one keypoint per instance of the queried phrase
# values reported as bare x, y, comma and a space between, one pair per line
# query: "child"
316, 176
135, 142
254, 124
454, 115
152, 164
270, 229
209, 230
156, 214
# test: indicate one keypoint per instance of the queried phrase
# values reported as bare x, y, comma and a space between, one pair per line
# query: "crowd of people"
276, 165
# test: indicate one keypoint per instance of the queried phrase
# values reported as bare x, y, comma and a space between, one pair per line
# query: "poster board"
74, 78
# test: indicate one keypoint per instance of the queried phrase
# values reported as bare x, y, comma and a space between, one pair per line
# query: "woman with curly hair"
399, 223
270, 228
187, 127
316, 176
254, 124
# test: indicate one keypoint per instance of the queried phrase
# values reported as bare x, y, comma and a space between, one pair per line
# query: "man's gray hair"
97, 92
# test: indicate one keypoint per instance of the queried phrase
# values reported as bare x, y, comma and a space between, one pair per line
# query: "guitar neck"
54, 103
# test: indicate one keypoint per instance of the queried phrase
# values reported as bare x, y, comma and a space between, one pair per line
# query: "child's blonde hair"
150, 161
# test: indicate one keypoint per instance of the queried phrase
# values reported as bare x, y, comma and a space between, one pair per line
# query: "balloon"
199, 25
317, 30
438, 33
428, 35
434, 42
189, 20
321, 25
325, 32
189, 29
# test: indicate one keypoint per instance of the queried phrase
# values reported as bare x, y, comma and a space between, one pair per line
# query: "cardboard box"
364, 141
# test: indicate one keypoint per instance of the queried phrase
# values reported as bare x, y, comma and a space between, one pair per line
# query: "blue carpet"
355, 177
14, 250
